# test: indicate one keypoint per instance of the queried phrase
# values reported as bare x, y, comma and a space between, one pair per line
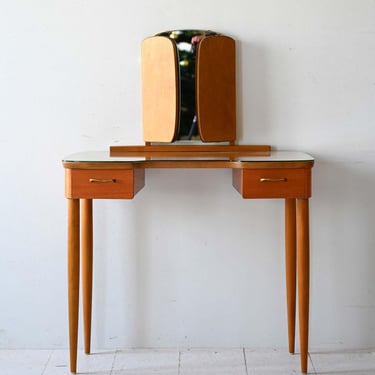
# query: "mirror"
188, 87
187, 44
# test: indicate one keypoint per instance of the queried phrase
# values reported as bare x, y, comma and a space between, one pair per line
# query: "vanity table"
256, 175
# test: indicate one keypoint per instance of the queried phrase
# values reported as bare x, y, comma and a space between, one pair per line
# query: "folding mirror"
188, 87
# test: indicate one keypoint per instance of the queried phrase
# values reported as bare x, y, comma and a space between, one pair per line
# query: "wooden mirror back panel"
188, 87
216, 90
159, 89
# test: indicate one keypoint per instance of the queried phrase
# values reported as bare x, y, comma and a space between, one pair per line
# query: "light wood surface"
303, 266
286, 179
160, 87
229, 151
73, 278
215, 86
103, 183
87, 264
291, 268
272, 183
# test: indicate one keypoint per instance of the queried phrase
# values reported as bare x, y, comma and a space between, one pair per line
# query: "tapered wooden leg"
291, 268
73, 278
303, 255
87, 260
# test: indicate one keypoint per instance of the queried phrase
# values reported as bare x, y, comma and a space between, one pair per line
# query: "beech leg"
87, 262
73, 279
291, 268
303, 262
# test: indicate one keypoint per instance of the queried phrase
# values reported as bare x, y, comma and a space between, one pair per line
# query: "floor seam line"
312, 363
244, 357
113, 362
47, 363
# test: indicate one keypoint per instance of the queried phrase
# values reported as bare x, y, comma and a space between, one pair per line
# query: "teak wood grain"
285, 179
273, 183
160, 98
214, 82
303, 269
87, 266
103, 183
73, 278
216, 89
291, 269
229, 151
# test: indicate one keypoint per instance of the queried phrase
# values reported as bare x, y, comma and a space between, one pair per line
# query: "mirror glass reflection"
187, 42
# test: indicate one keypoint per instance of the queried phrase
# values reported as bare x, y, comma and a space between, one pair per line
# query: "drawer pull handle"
269, 179
102, 180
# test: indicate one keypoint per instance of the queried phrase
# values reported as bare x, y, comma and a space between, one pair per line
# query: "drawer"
103, 183
273, 183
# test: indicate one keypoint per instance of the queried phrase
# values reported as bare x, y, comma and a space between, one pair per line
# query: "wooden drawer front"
96, 183
273, 183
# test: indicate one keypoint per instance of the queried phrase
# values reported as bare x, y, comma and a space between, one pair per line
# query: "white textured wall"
187, 262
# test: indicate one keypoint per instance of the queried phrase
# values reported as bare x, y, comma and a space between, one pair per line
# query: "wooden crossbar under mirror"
189, 97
